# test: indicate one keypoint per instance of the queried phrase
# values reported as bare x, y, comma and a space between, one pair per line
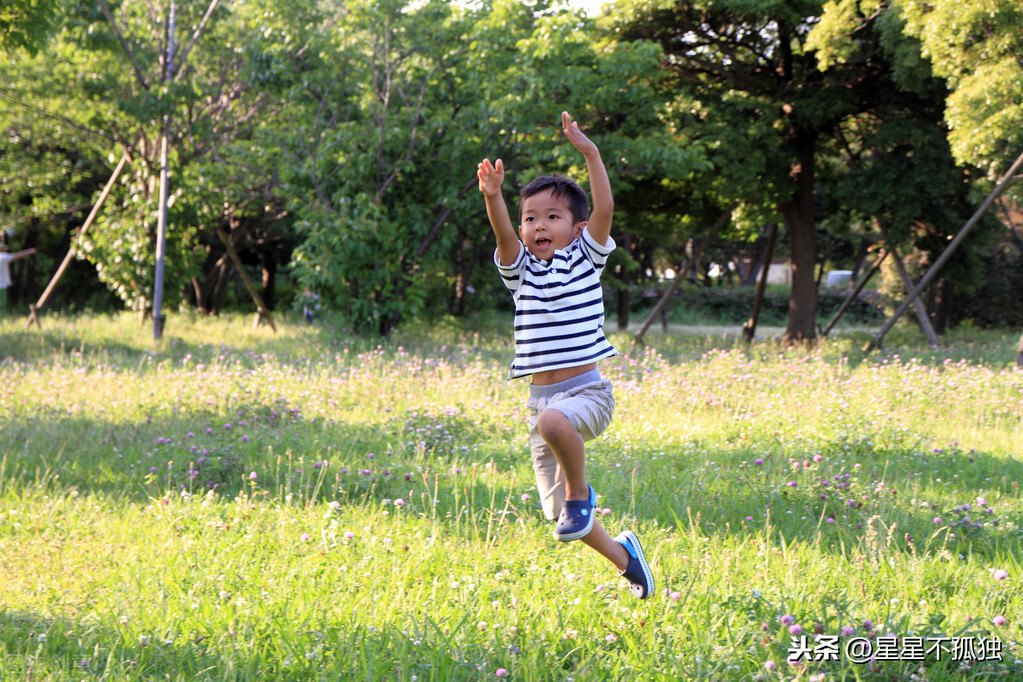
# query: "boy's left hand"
578, 139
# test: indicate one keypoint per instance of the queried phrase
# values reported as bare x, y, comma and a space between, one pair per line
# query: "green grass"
224, 506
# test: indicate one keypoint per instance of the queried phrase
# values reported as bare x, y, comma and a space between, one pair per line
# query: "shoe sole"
631, 537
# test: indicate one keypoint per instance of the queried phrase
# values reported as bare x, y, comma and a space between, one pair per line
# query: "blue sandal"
641, 580
576, 519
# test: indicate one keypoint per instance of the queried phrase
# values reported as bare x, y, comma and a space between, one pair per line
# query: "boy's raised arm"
491, 177
599, 224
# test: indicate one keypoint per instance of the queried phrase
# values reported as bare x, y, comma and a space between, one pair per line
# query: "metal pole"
947, 253
161, 222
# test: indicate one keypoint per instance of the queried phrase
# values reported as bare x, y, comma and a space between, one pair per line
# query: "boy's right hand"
491, 176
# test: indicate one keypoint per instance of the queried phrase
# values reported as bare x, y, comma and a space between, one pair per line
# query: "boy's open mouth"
543, 243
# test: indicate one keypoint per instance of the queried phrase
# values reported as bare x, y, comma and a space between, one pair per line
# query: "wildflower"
349, 535
937, 520
611, 638
501, 672
305, 537
999, 574
399, 502
796, 629
675, 596
787, 620
848, 631
482, 626
999, 620
770, 665
253, 476
525, 497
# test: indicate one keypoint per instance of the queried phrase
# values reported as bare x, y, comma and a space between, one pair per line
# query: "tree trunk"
1019, 352
799, 215
220, 278
625, 279
943, 295
269, 279
861, 258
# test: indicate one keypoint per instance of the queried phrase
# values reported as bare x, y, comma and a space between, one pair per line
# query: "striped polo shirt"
559, 307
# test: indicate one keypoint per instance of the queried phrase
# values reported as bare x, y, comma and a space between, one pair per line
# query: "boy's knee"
553, 424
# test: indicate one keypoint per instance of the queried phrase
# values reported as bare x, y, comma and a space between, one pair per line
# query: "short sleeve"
511, 275
594, 252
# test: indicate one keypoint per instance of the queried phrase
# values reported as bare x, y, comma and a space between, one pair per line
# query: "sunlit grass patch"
312, 506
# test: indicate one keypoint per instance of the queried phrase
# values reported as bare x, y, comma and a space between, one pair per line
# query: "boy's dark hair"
559, 187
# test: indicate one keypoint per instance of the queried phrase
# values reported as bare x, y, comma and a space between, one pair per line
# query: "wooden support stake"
749, 329
263, 313
854, 295
947, 253
681, 274
34, 308
921, 312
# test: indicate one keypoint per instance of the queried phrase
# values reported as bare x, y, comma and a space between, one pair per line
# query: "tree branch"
124, 44
195, 37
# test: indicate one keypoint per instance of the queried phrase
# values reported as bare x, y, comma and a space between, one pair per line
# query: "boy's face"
548, 224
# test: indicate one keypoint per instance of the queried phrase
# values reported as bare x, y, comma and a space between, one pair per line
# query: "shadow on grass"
946, 497
197, 450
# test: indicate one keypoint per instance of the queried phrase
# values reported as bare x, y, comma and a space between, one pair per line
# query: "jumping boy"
554, 276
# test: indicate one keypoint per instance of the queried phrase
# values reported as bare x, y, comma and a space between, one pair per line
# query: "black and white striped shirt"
559, 307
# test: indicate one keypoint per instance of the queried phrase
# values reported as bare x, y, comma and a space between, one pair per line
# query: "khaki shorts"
588, 403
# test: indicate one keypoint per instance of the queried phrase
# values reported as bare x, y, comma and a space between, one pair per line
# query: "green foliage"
382, 170
976, 47
26, 24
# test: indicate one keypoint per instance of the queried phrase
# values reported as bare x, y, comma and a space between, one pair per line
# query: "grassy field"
235, 504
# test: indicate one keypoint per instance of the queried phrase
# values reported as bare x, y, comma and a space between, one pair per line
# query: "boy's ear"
579, 226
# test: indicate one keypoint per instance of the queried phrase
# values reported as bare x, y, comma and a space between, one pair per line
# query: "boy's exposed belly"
554, 376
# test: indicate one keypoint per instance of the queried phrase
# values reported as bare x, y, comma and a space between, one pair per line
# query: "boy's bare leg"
598, 539
569, 449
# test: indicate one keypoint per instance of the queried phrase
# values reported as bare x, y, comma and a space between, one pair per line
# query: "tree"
754, 66
26, 24
975, 47
392, 108
106, 77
